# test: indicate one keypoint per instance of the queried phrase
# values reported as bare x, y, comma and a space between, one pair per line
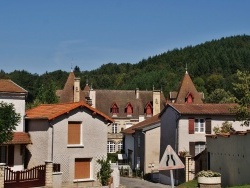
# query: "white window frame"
111, 147
199, 125
199, 147
114, 128
120, 146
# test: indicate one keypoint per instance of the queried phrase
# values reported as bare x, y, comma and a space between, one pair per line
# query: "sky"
45, 35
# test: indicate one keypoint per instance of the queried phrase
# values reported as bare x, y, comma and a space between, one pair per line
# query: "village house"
126, 107
12, 153
71, 134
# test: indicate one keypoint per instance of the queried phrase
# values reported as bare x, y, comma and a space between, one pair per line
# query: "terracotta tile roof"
208, 109
150, 121
20, 138
11, 87
52, 111
105, 99
187, 86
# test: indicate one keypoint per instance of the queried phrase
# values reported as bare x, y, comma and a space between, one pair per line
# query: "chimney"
137, 93
156, 102
77, 90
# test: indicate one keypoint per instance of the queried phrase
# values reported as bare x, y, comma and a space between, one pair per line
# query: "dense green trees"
212, 65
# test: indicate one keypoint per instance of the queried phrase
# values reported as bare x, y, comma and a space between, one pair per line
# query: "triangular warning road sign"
170, 160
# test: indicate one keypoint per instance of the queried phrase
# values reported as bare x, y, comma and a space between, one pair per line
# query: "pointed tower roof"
187, 87
67, 94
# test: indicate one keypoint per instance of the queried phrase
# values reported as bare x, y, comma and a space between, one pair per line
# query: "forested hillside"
212, 65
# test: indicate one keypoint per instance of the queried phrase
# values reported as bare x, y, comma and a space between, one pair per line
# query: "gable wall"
94, 138
152, 150
19, 104
229, 156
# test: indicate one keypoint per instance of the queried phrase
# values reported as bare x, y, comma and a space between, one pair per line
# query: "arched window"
129, 109
189, 98
149, 110
114, 109
111, 147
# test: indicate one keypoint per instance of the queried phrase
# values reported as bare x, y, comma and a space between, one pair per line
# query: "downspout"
52, 141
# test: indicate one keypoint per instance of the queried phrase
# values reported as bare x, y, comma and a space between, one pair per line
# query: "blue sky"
44, 35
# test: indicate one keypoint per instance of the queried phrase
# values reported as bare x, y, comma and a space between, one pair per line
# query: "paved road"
139, 183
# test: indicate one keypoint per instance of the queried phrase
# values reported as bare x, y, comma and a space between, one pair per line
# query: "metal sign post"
169, 161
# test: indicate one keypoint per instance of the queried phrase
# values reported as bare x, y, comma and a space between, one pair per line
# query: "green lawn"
193, 184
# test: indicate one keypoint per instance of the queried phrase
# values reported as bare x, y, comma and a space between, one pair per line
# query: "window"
114, 109
199, 126
7, 155
196, 147
129, 110
120, 146
111, 147
199, 147
148, 110
114, 128
82, 168
139, 141
74, 133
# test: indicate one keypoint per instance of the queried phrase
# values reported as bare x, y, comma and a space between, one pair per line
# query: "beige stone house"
146, 146
12, 153
71, 134
126, 107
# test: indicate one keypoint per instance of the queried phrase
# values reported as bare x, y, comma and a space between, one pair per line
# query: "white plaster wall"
230, 157
18, 159
19, 104
152, 150
185, 137
38, 130
94, 139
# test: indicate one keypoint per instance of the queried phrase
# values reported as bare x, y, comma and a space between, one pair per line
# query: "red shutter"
208, 126
191, 126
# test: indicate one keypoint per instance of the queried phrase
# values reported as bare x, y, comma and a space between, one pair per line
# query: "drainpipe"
52, 141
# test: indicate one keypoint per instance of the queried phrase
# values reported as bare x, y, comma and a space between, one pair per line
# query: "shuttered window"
82, 168
74, 133
208, 126
191, 126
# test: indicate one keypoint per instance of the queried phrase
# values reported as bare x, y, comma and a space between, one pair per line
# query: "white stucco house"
12, 153
71, 134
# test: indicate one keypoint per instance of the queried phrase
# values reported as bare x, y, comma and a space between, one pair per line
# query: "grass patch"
194, 184
190, 184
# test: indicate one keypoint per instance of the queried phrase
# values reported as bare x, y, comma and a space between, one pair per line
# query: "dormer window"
189, 98
129, 110
148, 110
114, 109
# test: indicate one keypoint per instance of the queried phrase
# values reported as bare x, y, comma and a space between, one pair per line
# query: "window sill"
75, 146
83, 180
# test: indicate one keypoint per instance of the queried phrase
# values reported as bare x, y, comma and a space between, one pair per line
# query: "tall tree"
242, 88
9, 119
